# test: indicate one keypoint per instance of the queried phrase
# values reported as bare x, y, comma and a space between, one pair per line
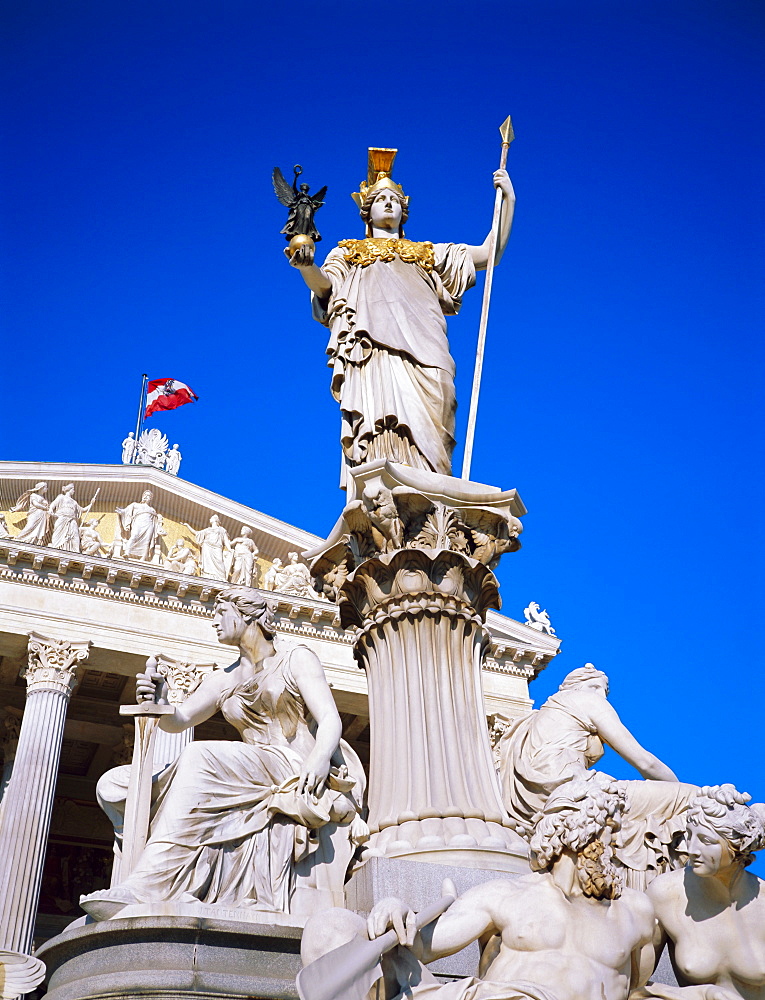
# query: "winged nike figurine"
302, 205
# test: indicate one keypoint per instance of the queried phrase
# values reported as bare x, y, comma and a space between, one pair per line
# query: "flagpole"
139, 419
506, 131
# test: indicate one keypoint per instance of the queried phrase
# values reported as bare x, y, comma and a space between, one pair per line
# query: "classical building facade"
136, 575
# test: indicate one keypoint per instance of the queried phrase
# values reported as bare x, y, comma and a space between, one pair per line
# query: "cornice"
515, 649
136, 583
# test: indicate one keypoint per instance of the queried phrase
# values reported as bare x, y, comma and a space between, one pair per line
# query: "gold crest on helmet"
379, 169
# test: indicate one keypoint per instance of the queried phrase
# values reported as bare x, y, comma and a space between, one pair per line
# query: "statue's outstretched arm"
480, 254
466, 920
613, 732
313, 276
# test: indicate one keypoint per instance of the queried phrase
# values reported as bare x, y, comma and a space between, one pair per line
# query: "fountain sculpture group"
572, 882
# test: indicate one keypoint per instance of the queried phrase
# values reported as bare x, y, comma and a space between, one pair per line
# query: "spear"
506, 131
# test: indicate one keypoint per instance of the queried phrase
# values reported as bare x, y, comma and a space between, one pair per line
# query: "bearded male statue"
566, 931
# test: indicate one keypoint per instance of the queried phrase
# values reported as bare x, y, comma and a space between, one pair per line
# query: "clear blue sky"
622, 395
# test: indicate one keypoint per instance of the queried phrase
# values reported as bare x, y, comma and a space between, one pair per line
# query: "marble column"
28, 802
410, 565
432, 783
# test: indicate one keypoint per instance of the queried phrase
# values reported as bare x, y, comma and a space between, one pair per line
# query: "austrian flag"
167, 394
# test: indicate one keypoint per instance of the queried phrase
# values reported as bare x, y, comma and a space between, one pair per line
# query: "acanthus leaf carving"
182, 676
390, 516
53, 663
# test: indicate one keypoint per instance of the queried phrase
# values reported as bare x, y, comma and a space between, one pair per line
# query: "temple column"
28, 801
409, 564
421, 645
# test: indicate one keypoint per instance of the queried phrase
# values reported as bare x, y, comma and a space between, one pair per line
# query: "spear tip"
506, 130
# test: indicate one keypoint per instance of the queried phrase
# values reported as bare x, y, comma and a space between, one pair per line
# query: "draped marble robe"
228, 825
141, 521
550, 745
38, 518
66, 514
392, 372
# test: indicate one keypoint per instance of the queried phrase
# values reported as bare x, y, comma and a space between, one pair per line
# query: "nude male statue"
566, 931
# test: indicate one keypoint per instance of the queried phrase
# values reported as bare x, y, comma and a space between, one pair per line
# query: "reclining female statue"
564, 737
232, 821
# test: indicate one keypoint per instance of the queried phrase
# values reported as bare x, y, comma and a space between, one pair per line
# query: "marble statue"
91, 543
128, 449
712, 913
35, 530
139, 520
4, 533
566, 931
157, 556
244, 568
117, 545
556, 742
173, 461
215, 549
67, 514
537, 619
180, 559
275, 576
231, 820
152, 448
384, 299
296, 578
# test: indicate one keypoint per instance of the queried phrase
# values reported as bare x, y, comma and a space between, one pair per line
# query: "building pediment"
177, 607
183, 505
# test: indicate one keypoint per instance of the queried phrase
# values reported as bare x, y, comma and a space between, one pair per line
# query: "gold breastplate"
362, 253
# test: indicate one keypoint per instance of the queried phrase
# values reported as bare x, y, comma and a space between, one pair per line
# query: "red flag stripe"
167, 394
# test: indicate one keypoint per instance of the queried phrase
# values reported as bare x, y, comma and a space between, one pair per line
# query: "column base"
419, 885
468, 843
19, 974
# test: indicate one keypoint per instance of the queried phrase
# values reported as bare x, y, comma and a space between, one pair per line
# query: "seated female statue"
712, 913
239, 824
556, 742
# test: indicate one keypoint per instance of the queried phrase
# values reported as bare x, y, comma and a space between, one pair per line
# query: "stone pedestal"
409, 563
419, 885
28, 800
172, 957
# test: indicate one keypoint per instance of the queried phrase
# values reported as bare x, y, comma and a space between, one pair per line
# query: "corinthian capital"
52, 663
396, 508
182, 676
